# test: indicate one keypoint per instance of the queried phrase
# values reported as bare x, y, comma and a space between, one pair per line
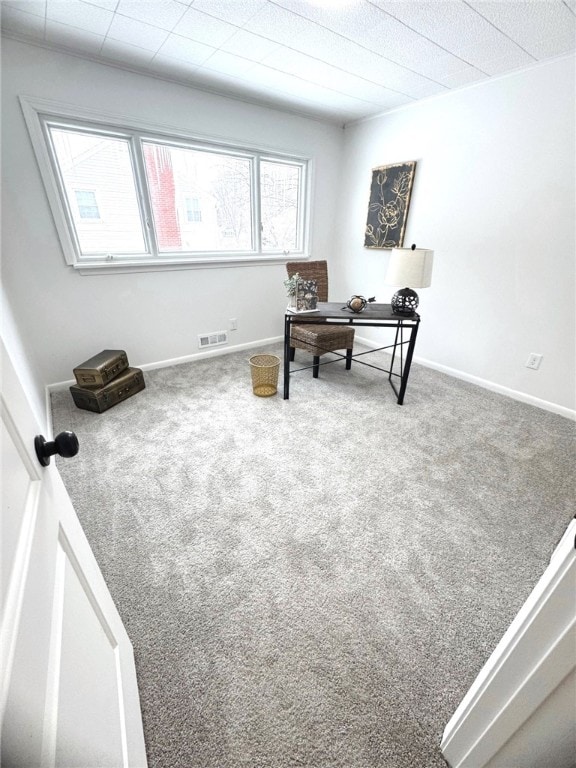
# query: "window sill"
115, 267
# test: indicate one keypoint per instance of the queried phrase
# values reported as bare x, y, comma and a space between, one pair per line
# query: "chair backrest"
312, 270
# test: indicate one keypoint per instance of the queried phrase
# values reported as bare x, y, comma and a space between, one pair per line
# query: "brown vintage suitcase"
121, 388
101, 368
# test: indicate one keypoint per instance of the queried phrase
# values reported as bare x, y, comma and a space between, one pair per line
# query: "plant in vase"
291, 285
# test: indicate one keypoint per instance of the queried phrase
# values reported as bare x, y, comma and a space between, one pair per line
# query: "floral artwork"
307, 296
388, 207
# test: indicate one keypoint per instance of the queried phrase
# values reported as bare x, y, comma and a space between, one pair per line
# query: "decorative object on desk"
291, 285
388, 206
409, 267
307, 296
358, 303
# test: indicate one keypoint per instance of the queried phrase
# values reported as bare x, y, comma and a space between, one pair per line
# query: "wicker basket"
264, 370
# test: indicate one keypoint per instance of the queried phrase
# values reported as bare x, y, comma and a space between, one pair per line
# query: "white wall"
30, 378
64, 317
494, 196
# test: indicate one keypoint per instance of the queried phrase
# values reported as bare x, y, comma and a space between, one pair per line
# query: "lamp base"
405, 302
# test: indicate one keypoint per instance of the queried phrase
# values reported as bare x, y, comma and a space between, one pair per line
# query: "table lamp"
411, 267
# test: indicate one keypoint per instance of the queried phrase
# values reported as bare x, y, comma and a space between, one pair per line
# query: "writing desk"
373, 316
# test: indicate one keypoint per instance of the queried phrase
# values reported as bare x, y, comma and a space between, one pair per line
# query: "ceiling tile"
75, 39
527, 22
446, 22
480, 55
17, 22
125, 53
500, 65
266, 78
233, 11
249, 45
428, 88
170, 67
389, 101
369, 27
159, 13
364, 23
80, 15
333, 107
437, 67
462, 78
228, 63
423, 57
204, 28
137, 33
320, 73
553, 46
35, 7
401, 80
273, 78
178, 47
307, 37
345, 62
287, 28
110, 5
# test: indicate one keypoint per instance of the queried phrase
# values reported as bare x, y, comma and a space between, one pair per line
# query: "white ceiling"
339, 60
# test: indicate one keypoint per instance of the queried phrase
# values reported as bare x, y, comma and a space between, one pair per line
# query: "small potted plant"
291, 285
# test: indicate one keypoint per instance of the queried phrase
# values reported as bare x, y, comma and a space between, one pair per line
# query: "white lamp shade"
410, 268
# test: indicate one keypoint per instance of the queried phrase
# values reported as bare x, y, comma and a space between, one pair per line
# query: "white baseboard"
211, 353
486, 384
61, 385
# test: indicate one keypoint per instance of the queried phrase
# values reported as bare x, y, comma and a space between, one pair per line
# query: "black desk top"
331, 310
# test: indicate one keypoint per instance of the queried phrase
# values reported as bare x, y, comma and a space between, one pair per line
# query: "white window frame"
39, 112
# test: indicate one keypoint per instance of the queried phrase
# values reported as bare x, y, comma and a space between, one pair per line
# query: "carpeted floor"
314, 582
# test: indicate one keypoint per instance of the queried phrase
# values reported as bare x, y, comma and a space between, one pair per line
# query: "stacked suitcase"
105, 380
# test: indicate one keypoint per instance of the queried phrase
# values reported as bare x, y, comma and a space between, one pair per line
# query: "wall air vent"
212, 339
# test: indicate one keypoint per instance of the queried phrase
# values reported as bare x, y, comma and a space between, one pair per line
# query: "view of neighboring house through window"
193, 211
103, 165
129, 195
280, 184
87, 205
222, 187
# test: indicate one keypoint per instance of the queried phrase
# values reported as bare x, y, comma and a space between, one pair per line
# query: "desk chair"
318, 338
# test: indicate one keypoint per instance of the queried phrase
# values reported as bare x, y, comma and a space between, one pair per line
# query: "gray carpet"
314, 582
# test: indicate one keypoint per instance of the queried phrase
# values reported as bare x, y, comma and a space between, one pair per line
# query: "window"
280, 184
222, 182
123, 196
103, 162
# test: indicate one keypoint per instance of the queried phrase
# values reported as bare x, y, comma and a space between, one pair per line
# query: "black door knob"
65, 444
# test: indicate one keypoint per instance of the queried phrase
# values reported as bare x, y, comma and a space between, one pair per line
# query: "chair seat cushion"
322, 337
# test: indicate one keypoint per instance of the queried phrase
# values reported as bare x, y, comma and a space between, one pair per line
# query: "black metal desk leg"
406, 372
286, 357
394, 351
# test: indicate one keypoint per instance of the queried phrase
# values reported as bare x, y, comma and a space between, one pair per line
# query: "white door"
67, 678
520, 709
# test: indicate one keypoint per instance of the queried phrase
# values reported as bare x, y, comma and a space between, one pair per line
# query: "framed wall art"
388, 207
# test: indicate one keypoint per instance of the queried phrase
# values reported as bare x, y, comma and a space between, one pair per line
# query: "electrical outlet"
533, 361
233, 324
